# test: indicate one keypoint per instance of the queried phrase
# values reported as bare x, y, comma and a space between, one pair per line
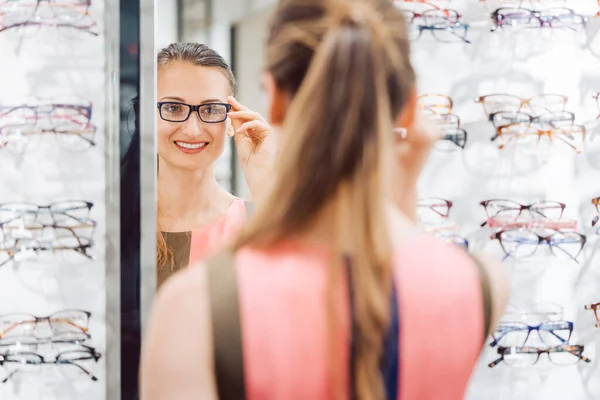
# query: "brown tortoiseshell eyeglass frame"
594, 307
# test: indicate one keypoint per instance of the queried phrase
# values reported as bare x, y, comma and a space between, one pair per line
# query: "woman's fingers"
246, 115
257, 126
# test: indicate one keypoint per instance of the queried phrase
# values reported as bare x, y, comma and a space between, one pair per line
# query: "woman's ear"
277, 99
406, 118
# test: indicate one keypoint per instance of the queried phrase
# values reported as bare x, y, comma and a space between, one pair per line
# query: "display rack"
460, 56
59, 195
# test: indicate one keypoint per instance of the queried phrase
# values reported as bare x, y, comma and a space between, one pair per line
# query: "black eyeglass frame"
192, 108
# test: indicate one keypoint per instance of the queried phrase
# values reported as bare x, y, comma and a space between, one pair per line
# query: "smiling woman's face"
193, 144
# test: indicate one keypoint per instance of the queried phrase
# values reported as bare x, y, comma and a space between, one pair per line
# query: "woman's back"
284, 327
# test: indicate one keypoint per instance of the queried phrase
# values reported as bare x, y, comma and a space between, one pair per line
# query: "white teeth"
190, 145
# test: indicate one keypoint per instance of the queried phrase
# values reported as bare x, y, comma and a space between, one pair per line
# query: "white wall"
166, 23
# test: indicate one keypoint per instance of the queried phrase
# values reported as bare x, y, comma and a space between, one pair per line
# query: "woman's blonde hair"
201, 55
346, 66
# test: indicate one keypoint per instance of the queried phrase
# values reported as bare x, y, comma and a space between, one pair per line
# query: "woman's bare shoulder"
177, 354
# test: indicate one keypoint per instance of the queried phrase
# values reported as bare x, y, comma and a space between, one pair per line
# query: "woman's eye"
173, 108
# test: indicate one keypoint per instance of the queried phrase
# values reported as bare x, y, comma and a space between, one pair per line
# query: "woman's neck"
188, 200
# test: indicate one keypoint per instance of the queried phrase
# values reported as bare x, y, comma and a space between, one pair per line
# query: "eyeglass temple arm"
85, 371
10, 375
496, 362
464, 39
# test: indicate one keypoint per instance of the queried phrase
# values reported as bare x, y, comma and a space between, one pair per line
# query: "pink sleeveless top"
190, 247
284, 330
219, 233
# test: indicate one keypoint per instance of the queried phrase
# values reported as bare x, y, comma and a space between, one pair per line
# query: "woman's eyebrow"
183, 101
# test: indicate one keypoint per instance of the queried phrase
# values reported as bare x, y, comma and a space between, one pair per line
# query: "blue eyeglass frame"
192, 109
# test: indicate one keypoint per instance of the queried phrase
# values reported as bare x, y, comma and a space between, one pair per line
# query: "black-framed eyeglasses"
210, 113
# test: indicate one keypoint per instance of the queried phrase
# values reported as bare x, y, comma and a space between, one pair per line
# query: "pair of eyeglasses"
434, 103
557, 18
596, 203
594, 307
503, 223
58, 212
452, 132
555, 119
518, 333
17, 229
544, 209
71, 23
539, 105
527, 356
443, 25
60, 323
57, 110
210, 113
523, 243
24, 17
596, 97
19, 139
64, 244
22, 358
573, 136
433, 210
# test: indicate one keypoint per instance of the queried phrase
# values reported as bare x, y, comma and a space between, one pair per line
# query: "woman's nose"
193, 126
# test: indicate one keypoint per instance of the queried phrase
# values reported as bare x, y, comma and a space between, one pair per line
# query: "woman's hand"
254, 140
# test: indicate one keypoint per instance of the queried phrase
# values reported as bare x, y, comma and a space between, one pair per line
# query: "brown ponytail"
346, 65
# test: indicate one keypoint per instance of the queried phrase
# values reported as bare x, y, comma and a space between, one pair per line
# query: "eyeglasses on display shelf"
536, 105
594, 308
517, 333
61, 338
58, 212
524, 243
26, 18
69, 247
444, 25
439, 108
433, 213
505, 223
433, 210
517, 135
452, 133
558, 18
512, 209
527, 356
20, 360
63, 324
436, 103
67, 120
538, 121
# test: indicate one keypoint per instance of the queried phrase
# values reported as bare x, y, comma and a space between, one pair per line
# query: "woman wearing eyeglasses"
330, 292
196, 114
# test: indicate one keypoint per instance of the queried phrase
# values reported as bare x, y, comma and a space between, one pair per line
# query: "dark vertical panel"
130, 199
